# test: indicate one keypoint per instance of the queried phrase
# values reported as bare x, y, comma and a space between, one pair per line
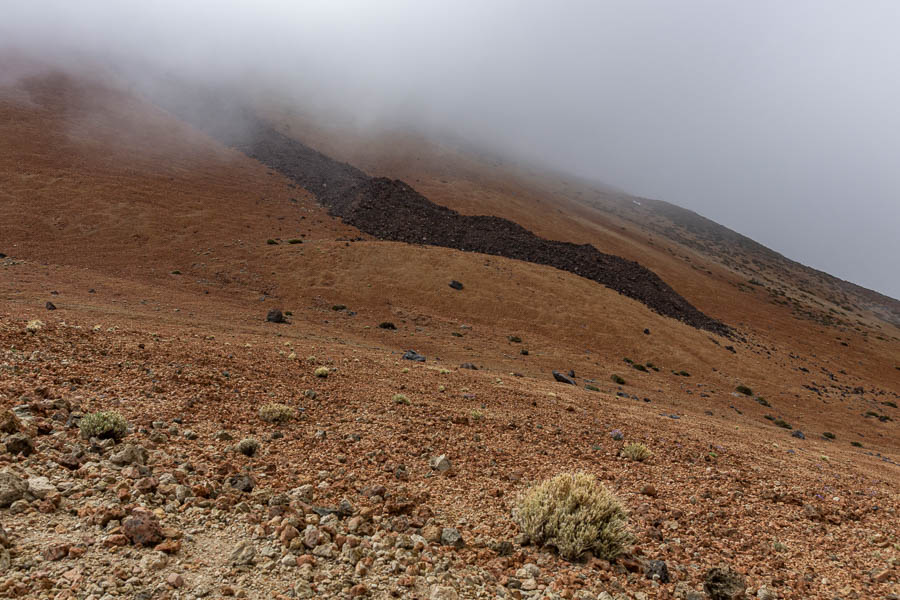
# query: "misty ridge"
724, 109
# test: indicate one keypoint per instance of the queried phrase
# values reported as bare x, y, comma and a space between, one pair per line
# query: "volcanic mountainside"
391, 210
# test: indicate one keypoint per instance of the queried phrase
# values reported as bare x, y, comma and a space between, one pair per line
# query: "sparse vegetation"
322, 372
743, 389
574, 513
338, 307
34, 326
271, 242
400, 399
639, 367
591, 387
276, 413
295, 241
104, 424
387, 325
636, 451
783, 424
617, 379
477, 415
763, 401
514, 339
856, 444
828, 435
247, 446
617, 434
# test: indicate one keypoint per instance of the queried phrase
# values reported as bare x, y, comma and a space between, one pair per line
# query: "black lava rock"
413, 355
469, 366
798, 434
275, 316
387, 325
456, 285
657, 568
242, 483
50, 306
563, 378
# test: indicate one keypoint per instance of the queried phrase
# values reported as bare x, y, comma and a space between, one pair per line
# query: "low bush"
636, 451
276, 413
743, 389
574, 513
104, 424
617, 379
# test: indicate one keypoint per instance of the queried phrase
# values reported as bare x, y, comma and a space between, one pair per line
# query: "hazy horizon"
777, 120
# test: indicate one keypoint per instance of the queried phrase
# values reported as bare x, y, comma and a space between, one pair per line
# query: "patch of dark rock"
387, 325
563, 378
657, 569
469, 366
276, 316
722, 583
456, 285
50, 306
389, 209
413, 355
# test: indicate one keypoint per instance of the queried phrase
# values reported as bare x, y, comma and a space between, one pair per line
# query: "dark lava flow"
389, 209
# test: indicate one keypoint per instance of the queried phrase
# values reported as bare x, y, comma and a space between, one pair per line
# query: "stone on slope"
563, 378
12, 488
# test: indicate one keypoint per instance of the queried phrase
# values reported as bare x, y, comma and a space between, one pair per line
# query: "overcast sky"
778, 119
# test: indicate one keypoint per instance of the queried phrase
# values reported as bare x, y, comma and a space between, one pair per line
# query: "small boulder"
40, 487
450, 536
12, 488
657, 569
468, 366
130, 454
50, 306
722, 583
456, 285
275, 316
142, 528
563, 378
19, 443
413, 355
440, 463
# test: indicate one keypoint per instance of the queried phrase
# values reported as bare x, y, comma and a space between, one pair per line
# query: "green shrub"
743, 389
338, 307
514, 339
617, 379
105, 424
477, 415
295, 241
636, 451
639, 367
400, 399
271, 242
276, 413
828, 435
574, 513
322, 372
890, 403
592, 388
856, 444
763, 401
684, 374
783, 424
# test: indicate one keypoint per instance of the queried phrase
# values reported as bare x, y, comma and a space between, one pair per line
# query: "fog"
778, 119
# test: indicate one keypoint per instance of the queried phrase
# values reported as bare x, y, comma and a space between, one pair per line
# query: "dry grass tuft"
276, 413
574, 513
636, 451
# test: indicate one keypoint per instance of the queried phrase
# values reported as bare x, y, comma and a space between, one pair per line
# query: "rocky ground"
391, 478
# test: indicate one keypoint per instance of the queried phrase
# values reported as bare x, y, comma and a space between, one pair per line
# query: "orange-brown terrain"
162, 251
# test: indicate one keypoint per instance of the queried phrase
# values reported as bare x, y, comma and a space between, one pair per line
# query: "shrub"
338, 307
400, 399
856, 444
387, 325
763, 401
636, 451
271, 242
247, 446
574, 513
592, 388
828, 435
616, 434
295, 241
276, 413
684, 374
34, 326
890, 403
477, 415
321, 372
514, 339
524, 351
782, 423
743, 389
617, 379
639, 367
105, 424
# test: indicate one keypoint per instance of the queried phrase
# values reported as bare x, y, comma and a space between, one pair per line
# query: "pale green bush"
574, 513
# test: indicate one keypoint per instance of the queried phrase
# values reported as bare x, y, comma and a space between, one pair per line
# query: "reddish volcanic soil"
152, 242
